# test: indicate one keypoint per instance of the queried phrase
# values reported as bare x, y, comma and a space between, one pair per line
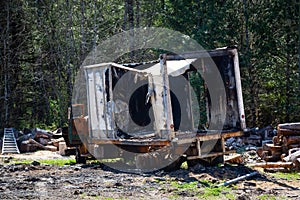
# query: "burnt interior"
225, 67
141, 113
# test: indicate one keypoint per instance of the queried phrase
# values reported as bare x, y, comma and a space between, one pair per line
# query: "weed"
184, 165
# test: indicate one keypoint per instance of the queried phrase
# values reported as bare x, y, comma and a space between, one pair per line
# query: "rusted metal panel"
130, 142
212, 154
186, 138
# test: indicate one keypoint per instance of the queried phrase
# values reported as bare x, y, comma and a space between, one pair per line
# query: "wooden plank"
189, 137
234, 159
212, 154
272, 165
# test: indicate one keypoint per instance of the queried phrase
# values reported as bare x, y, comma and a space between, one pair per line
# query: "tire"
175, 165
79, 159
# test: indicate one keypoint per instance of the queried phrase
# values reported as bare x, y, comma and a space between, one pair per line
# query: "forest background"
44, 42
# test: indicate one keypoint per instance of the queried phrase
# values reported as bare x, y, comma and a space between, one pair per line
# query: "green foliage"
43, 44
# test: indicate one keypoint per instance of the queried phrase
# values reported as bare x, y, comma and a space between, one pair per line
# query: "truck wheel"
192, 163
79, 159
175, 165
217, 160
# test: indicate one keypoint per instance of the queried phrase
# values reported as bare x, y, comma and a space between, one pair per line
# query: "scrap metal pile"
285, 146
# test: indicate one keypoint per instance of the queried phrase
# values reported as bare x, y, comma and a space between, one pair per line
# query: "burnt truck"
151, 113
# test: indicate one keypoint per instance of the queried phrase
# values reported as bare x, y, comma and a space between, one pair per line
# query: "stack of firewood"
285, 146
38, 139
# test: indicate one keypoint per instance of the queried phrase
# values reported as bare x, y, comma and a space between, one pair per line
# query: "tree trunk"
124, 27
7, 65
137, 4
131, 27
288, 60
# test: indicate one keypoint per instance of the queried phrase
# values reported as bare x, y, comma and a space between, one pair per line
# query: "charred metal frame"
99, 127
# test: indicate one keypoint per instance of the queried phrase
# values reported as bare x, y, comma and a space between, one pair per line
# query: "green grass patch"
267, 197
184, 165
210, 191
21, 162
230, 196
206, 190
184, 185
289, 176
58, 162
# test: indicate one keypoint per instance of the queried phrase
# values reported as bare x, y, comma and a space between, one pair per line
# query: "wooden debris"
290, 126
272, 165
287, 138
293, 155
55, 142
43, 141
62, 146
25, 146
297, 163
42, 133
274, 170
49, 148
37, 138
234, 159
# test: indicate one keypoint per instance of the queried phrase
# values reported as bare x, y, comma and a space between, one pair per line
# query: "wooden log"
61, 148
234, 159
274, 170
49, 148
42, 133
292, 157
25, 146
279, 140
297, 163
259, 152
292, 126
292, 140
292, 146
288, 132
272, 165
43, 141
55, 142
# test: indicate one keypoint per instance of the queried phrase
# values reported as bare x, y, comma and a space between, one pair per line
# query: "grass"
184, 185
289, 176
184, 165
267, 197
57, 162
203, 189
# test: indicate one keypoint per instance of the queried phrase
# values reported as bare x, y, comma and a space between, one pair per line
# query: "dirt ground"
96, 181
